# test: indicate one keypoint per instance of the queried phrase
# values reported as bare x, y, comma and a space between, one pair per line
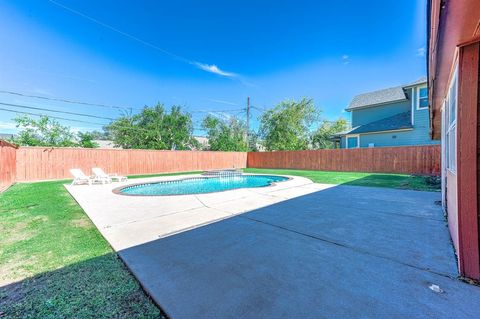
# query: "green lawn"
415, 182
55, 264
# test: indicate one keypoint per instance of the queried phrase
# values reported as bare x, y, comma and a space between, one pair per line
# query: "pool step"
223, 172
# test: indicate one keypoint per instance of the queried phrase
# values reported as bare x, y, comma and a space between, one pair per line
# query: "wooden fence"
7, 164
44, 163
40, 163
407, 159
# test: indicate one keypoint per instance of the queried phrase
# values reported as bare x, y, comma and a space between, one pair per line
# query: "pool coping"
118, 190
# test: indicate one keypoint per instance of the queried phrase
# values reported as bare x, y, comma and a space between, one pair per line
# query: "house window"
450, 108
353, 141
422, 98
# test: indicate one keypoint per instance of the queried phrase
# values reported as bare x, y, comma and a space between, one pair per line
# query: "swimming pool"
200, 185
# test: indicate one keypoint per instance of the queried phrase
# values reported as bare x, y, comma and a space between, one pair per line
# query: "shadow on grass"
101, 287
399, 181
412, 182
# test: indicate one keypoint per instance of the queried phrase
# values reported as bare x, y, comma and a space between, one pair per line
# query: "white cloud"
421, 52
222, 102
212, 68
345, 59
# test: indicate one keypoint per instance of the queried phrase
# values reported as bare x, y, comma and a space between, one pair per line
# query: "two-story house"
395, 116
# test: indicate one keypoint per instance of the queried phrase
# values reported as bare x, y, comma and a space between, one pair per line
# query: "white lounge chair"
80, 178
99, 173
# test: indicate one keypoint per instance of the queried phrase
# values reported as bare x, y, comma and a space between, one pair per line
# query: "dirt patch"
82, 223
13, 270
16, 232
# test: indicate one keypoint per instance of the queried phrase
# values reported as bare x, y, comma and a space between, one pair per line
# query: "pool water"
201, 185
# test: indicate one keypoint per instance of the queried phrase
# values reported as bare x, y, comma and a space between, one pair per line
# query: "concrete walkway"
307, 251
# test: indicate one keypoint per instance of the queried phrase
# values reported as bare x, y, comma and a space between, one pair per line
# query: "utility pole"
248, 118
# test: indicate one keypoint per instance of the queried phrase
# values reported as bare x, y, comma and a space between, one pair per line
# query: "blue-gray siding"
418, 136
372, 114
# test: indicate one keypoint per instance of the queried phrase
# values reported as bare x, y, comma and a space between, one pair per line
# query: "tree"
100, 135
85, 140
321, 138
48, 132
225, 135
154, 128
287, 126
253, 142
43, 132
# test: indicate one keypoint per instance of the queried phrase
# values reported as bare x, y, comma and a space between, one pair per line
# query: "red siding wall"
467, 159
452, 208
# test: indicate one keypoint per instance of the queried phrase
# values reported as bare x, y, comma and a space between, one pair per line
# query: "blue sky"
204, 55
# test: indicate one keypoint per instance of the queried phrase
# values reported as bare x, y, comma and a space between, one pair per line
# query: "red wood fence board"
405, 159
44, 163
7, 164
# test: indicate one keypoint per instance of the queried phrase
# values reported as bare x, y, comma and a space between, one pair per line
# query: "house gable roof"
395, 94
384, 96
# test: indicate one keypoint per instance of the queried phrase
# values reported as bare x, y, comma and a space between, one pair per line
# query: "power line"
66, 100
102, 105
56, 111
261, 109
215, 111
80, 121
237, 111
54, 117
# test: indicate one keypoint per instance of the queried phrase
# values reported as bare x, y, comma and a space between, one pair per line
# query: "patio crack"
210, 207
201, 202
355, 249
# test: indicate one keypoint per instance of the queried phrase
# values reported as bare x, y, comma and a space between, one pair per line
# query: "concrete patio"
296, 250
127, 221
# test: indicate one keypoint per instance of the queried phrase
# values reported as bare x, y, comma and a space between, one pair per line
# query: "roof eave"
415, 84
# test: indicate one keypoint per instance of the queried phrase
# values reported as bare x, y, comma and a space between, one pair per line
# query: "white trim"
352, 135
418, 97
443, 159
413, 108
451, 126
